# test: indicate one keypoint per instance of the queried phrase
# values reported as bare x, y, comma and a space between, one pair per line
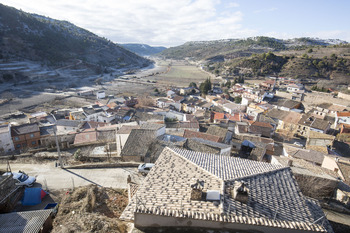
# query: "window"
31, 135
18, 145
16, 138
33, 142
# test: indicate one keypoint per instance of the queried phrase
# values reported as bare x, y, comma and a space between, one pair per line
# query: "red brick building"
25, 136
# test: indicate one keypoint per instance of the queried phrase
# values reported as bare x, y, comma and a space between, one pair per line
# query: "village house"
342, 118
224, 133
297, 87
25, 136
312, 156
314, 181
309, 123
344, 129
285, 104
233, 107
189, 104
67, 126
187, 91
261, 128
195, 134
178, 128
137, 145
256, 95
268, 84
170, 94
164, 103
217, 117
319, 141
192, 189
77, 116
6, 143
206, 146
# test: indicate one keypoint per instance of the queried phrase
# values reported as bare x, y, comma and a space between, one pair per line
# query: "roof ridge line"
260, 173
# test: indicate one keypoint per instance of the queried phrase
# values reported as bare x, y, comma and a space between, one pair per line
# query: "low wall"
344, 96
103, 165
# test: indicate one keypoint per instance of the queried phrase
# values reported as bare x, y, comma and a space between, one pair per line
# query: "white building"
6, 144
101, 94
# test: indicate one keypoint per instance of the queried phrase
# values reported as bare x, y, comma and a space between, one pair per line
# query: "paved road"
57, 178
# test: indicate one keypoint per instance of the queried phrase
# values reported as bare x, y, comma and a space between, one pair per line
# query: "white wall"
6, 143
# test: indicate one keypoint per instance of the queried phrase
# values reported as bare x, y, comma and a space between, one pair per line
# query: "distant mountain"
219, 50
143, 49
25, 36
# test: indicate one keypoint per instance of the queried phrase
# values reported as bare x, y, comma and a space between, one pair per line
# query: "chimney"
240, 191
197, 190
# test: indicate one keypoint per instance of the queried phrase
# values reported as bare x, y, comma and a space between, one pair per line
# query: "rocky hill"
55, 43
218, 50
143, 49
313, 61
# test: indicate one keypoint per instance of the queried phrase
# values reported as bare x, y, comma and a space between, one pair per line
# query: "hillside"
313, 61
218, 50
55, 43
327, 67
143, 49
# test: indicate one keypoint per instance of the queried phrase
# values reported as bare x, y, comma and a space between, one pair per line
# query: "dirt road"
57, 178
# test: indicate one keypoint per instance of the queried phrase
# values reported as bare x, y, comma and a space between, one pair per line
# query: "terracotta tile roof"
262, 124
195, 134
166, 191
219, 115
85, 137
343, 114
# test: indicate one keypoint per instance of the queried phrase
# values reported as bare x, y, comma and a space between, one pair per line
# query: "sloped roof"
211, 143
138, 142
126, 129
262, 124
166, 191
308, 155
292, 117
277, 114
343, 114
69, 123
149, 125
27, 221
195, 134
24, 129
217, 131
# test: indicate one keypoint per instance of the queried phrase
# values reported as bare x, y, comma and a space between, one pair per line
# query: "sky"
174, 22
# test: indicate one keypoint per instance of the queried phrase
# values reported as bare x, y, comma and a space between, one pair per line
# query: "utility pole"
57, 144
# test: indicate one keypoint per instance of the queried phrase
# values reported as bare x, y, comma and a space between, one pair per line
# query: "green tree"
310, 50
238, 99
205, 87
192, 84
228, 84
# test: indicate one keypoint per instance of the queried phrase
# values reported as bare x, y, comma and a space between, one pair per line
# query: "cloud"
155, 22
266, 10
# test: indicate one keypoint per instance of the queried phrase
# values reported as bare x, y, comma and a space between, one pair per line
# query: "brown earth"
91, 209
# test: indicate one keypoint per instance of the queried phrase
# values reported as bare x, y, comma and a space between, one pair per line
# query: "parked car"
298, 144
145, 168
22, 178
